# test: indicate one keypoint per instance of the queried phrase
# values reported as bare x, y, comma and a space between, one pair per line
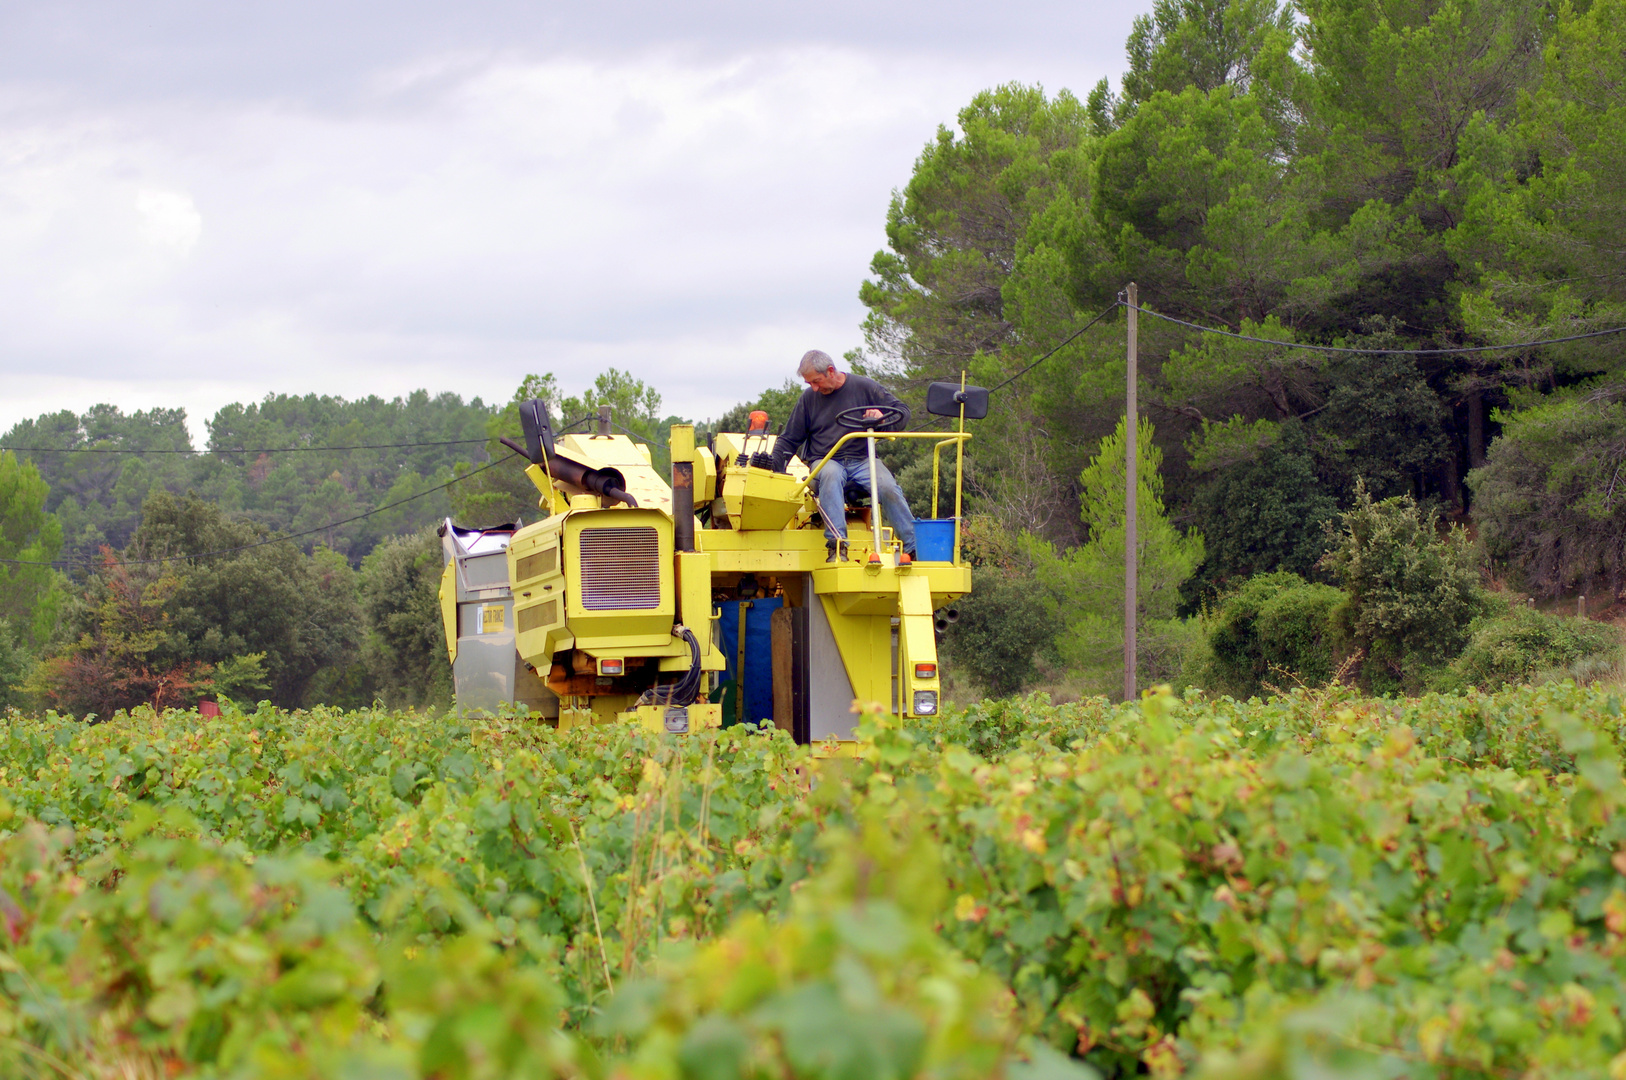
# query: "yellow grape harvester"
701, 599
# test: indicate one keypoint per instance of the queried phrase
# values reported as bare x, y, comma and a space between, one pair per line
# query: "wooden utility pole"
1131, 486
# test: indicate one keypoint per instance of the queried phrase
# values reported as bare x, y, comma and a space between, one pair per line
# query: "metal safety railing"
957, 439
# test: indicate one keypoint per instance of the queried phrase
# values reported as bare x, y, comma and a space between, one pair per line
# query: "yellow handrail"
937, 455
952, 438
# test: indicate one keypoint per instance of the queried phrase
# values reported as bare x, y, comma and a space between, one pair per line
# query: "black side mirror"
944, 399
533, 420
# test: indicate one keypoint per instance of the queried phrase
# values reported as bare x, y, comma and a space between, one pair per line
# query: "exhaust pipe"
681, 442
606, 482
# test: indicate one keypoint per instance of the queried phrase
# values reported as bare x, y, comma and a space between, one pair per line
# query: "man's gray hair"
815, 360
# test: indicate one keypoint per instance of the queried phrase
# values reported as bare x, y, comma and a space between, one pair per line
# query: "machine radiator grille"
621, 569
537, 564
531, 618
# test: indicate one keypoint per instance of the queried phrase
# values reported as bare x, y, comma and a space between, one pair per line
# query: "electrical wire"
236, 450
1065, 342
262, 450
274, 539
1373, 352
1068, 340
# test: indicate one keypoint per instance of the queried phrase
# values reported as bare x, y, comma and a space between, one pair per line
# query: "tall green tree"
1205, 44
258, 595
1539, 235
405, 651
992, 255
1551, 499
1083, 589
31, 591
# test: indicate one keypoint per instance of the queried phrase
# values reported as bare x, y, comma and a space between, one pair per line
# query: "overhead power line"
271, 540
264, 449
1065, 342
237, 450
1377, 352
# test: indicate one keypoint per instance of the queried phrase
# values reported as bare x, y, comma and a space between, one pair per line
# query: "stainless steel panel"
829, 690
485, 571
484, 671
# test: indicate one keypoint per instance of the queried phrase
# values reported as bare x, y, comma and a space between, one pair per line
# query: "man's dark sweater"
812, 429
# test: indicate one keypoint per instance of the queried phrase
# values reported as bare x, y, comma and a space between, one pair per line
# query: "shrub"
1276, 628
1002, 626
1514, 645
999, 634
1267, 511
1545, 498
1412, 593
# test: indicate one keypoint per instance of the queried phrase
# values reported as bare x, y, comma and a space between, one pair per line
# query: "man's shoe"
834, 551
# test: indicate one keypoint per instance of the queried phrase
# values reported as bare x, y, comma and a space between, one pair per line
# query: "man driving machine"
813, 428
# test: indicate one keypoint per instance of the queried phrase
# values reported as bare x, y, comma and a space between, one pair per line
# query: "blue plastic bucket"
934, 539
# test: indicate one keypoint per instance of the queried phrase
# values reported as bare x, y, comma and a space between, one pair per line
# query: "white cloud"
169, 219
471, 218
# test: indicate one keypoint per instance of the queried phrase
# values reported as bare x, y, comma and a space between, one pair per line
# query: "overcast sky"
204, 202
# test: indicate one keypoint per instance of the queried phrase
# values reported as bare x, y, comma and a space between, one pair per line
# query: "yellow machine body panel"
619, 577
625, 615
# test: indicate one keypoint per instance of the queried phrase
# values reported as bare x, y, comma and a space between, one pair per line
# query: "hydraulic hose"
687, 687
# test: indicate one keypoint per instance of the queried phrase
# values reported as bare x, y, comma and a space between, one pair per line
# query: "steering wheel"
853, 419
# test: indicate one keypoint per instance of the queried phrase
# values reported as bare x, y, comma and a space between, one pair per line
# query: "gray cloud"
202, 203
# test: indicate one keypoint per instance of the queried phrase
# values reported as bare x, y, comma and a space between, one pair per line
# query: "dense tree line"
1399, 176
1406, 175
102, 465
174, 581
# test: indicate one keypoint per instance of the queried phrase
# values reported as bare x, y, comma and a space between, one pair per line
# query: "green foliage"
1030, 597
165, 631
776, 401
1544, 198
1429, 884
1548, 499
31, 597
1276, 630
1264, 509
1412, 593
1082, 590
1204, 43
15, 667
1404, 175
1003, 625
977, 278
1382, 425
299, 610
1515, 645
851, 982
405, 651
100, 494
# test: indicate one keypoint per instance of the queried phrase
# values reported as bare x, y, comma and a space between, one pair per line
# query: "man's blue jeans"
834, 478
